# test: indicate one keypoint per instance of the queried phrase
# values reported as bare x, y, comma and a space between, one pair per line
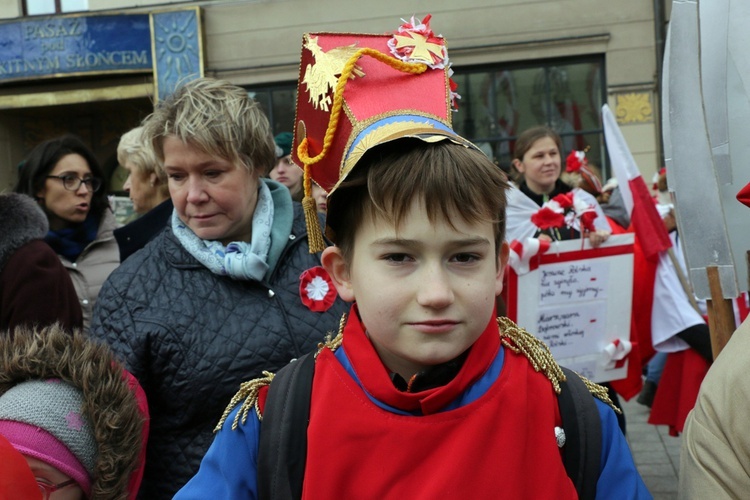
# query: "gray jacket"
94, 265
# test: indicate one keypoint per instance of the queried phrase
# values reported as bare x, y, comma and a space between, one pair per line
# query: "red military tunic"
502, 445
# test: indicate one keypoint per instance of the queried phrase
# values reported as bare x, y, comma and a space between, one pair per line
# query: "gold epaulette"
519, 340
248, 395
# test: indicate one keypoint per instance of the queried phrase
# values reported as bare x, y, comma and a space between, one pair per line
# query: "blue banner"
74, 45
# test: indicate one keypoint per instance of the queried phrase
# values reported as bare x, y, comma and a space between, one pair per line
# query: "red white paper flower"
565, 200
316, 289
587, 221
575, 160
521, 253
616, 352
564, 210
546, 218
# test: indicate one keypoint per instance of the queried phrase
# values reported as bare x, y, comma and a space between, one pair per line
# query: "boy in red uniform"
423, 393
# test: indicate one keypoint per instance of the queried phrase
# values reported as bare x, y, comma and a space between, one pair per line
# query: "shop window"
499, 102
46, 7
278, 103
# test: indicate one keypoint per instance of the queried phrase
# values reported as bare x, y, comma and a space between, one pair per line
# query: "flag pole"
720, 313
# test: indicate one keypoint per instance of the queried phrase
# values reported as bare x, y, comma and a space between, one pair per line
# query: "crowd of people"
361, 265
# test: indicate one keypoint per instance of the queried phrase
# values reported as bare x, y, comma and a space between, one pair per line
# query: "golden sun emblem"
321, 77
422, 50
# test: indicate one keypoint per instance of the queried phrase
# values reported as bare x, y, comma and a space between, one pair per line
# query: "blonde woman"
147, 187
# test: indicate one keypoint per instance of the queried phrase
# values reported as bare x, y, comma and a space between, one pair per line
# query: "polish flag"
651, 239
648, 225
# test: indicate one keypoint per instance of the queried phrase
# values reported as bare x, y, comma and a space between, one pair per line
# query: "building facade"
517, 64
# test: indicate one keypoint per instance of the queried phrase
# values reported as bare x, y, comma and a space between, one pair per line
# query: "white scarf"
239, 260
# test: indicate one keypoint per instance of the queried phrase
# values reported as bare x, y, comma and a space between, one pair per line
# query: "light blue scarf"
238, 260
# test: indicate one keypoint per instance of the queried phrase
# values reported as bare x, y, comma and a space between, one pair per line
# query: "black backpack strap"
583, 434
283, 431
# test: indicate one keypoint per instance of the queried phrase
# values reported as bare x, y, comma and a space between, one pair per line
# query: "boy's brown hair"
448, 178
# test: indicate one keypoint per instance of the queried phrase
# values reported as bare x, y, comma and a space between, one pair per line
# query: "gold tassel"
314, 233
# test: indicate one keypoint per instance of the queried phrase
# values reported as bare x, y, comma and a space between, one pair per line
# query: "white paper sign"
569, 332
573, 281
578, 303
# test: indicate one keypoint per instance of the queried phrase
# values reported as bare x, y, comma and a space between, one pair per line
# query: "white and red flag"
648, 225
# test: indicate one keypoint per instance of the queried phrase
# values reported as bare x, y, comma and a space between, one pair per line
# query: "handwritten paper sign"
570, 281
569, 331
577, 301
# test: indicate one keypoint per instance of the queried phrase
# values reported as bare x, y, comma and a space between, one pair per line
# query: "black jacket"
191, 337
134, 236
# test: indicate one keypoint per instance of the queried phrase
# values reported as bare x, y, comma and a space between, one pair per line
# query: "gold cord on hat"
314, 232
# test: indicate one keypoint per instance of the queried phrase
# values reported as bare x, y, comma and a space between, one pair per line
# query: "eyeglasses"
49, 488
72, 182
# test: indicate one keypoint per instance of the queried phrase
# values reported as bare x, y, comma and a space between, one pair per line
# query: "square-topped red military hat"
357, 91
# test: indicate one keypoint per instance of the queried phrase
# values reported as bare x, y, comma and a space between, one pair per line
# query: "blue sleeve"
618, 476
229, 468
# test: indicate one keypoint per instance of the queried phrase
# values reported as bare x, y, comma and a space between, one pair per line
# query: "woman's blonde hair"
217, 118
135, 149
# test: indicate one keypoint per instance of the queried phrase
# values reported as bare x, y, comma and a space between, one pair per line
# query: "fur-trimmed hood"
23, 221
109, 401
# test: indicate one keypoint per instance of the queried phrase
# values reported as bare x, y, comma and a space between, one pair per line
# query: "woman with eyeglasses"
65, 178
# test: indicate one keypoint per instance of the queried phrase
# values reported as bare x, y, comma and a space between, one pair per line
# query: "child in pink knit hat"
71, 410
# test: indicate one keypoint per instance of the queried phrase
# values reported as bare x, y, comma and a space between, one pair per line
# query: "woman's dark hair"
43, 158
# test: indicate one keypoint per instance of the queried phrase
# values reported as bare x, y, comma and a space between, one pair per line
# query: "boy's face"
425, 292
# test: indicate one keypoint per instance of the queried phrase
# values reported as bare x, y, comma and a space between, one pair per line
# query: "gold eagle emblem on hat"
321, 78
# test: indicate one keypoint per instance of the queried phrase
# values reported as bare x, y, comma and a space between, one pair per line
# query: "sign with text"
578, 301
74, 45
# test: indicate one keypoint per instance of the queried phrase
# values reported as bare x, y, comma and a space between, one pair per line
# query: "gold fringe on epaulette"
248, 395
519, 340
600, 392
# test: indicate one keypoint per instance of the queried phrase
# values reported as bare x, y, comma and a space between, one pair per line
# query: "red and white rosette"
521, 253
415, 42
615, 353
316, 289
